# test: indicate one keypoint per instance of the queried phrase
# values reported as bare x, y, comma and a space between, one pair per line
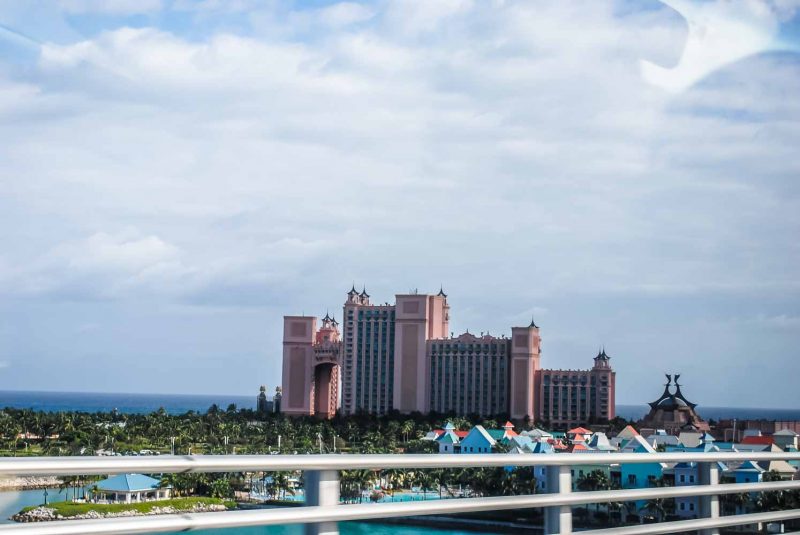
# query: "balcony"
323, 509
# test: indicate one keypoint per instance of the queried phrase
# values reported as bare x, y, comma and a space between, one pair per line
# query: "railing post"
322, 488
558, 519
709, 505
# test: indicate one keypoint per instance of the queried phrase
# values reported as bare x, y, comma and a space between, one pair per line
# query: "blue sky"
177, 175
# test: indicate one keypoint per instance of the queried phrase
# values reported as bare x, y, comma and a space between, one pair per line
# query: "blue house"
478, 440
639, 475
688, 474
540, 472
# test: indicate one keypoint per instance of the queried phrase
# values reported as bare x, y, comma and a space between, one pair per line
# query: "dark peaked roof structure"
669, 399
672, 411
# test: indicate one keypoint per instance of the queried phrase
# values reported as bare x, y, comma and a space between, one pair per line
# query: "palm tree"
407, 428
424, 479
594, 481
656, 507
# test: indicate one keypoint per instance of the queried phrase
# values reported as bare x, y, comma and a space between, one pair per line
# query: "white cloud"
115, 7
512, 105
781, 322
100, 266
126, 252
345, 13
719, 34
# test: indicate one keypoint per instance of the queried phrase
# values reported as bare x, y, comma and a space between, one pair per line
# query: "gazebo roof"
129, 483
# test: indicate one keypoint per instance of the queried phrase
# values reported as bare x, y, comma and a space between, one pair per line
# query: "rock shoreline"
47, 514
29, 483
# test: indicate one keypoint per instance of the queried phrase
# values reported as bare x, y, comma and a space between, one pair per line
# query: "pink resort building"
402, 357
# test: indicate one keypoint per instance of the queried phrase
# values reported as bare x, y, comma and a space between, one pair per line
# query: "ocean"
179, 404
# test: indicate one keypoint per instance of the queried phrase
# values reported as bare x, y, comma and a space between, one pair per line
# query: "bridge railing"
323, 510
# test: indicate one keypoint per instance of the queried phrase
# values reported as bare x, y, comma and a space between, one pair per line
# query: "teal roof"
496, 434
448, 438
129, 483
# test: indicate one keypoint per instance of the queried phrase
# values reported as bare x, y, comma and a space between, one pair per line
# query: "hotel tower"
402, 357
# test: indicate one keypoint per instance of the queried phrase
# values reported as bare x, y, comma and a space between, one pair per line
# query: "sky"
177, 175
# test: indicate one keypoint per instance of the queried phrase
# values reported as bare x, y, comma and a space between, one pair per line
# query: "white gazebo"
130, 488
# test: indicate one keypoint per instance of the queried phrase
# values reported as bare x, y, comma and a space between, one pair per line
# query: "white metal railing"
323, 510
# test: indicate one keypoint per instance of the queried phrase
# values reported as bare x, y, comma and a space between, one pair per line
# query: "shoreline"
66, 511
28, 483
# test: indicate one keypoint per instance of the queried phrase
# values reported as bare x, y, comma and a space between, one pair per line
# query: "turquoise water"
397, 497
11, 502
345, 528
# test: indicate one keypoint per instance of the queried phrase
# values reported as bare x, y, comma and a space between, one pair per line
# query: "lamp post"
45, 496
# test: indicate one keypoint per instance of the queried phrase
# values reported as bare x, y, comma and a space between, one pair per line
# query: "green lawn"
68, 509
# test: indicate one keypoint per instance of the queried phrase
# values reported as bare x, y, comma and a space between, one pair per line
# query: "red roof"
766, 441
459, 434
579, 431
577, 447
508, 424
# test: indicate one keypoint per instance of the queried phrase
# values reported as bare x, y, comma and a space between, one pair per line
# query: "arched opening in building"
326, 377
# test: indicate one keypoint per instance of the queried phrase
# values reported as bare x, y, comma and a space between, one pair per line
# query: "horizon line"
256, 395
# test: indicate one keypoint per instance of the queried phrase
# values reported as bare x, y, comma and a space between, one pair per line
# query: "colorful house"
639, 475
540, 472
627, 433
688, 474
449, 441
478, 440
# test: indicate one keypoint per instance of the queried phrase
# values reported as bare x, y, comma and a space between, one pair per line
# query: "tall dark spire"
533, 323
678, 394
665, 395
441, 291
